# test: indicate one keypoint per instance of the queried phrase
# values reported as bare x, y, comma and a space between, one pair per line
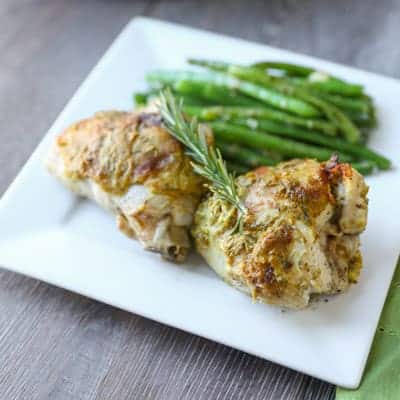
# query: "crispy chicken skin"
129, 164
300, 235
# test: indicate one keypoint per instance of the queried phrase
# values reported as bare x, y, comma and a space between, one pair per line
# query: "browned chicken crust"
129, 164
300, 237
118, 149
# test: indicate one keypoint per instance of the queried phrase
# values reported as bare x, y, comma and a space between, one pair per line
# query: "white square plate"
47, 233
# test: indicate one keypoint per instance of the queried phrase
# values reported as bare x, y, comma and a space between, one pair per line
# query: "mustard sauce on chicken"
129, 164
300, 237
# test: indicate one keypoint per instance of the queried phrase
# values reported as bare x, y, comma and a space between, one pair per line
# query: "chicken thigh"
130, 165
300, 237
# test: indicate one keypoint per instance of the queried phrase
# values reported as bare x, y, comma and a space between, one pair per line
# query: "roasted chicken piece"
130, 165
300, 237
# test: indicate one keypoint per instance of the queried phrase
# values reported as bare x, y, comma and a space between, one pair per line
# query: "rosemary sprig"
207, 160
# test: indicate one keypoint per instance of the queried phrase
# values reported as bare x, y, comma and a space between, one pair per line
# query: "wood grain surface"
57, 345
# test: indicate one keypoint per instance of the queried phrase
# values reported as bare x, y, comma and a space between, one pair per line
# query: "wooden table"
59, 345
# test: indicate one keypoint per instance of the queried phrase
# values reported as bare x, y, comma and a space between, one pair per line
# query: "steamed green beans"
313, 78
270, 111
226, 113
263, 94
356, 150
243, 155
287, 68
324, 83
259, 78
211, 92
261, 140
253, 75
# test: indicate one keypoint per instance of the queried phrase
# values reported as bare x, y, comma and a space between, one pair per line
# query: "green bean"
362, 120
193, 101
314, 78
263, 94
220, 112
203, 85
313, 137
236, 168
289, 69
211, 92
219, 66
275, 98
323, 82
243, 155
262, 140
353, 104
364, 167
160, 78
277, 128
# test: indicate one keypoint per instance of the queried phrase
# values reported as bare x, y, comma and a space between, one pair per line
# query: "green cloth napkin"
381, 379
